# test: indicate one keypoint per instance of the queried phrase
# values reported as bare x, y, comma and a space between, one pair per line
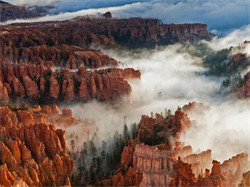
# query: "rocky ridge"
42, 85
11, 12
65, 56
84, 31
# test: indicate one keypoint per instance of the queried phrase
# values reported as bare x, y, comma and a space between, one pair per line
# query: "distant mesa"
107, 15
12, 12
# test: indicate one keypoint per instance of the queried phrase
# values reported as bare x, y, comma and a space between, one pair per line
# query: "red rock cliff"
42, 85
83, 32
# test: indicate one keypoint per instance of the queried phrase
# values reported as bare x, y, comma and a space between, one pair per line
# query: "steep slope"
84, 31
244, 90
173, 164
65, 56
31, 150
41, 85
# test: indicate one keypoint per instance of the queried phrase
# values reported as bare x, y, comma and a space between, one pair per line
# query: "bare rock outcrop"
244, 91
199, 162
245, 179
4, 97
234, 167
67, 56
46, 86
153, 160
67, 112
162, 127
83, 32
54, 88
30, 86
31, 153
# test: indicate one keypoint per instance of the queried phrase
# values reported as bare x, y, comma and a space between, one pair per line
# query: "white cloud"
224, 129
65, 16
233, 39
169, 79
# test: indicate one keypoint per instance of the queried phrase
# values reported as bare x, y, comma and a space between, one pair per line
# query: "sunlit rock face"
67, 56
174, 164
154, 167
28, 51
245, 179
31, 150
148, 165
42, 85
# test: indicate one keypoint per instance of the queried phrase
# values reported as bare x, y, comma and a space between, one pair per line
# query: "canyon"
54, 66
175, 164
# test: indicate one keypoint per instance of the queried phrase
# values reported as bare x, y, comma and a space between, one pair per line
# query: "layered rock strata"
84, 31
42, 85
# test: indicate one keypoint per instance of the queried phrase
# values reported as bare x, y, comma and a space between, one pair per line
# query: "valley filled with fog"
124, 93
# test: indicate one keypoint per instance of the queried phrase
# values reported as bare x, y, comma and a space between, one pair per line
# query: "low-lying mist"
224, 128
172, 77
234, 38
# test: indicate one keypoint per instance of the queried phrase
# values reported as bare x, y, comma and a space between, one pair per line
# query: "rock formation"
244, 91
107, 15
144, 164
234, 167
31, 150
4, 97
160, 163
245, 179
199, 162
11, 12
84, 31
154, 131
237, 62
42, 85
148, 166
67, 56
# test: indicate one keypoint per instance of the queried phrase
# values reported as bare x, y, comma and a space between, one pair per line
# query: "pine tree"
72, 143
179, 108
133, 129
93, 149
126, 133
166, 112
169, 113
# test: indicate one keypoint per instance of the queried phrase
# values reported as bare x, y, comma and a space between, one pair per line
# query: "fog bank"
170, 78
